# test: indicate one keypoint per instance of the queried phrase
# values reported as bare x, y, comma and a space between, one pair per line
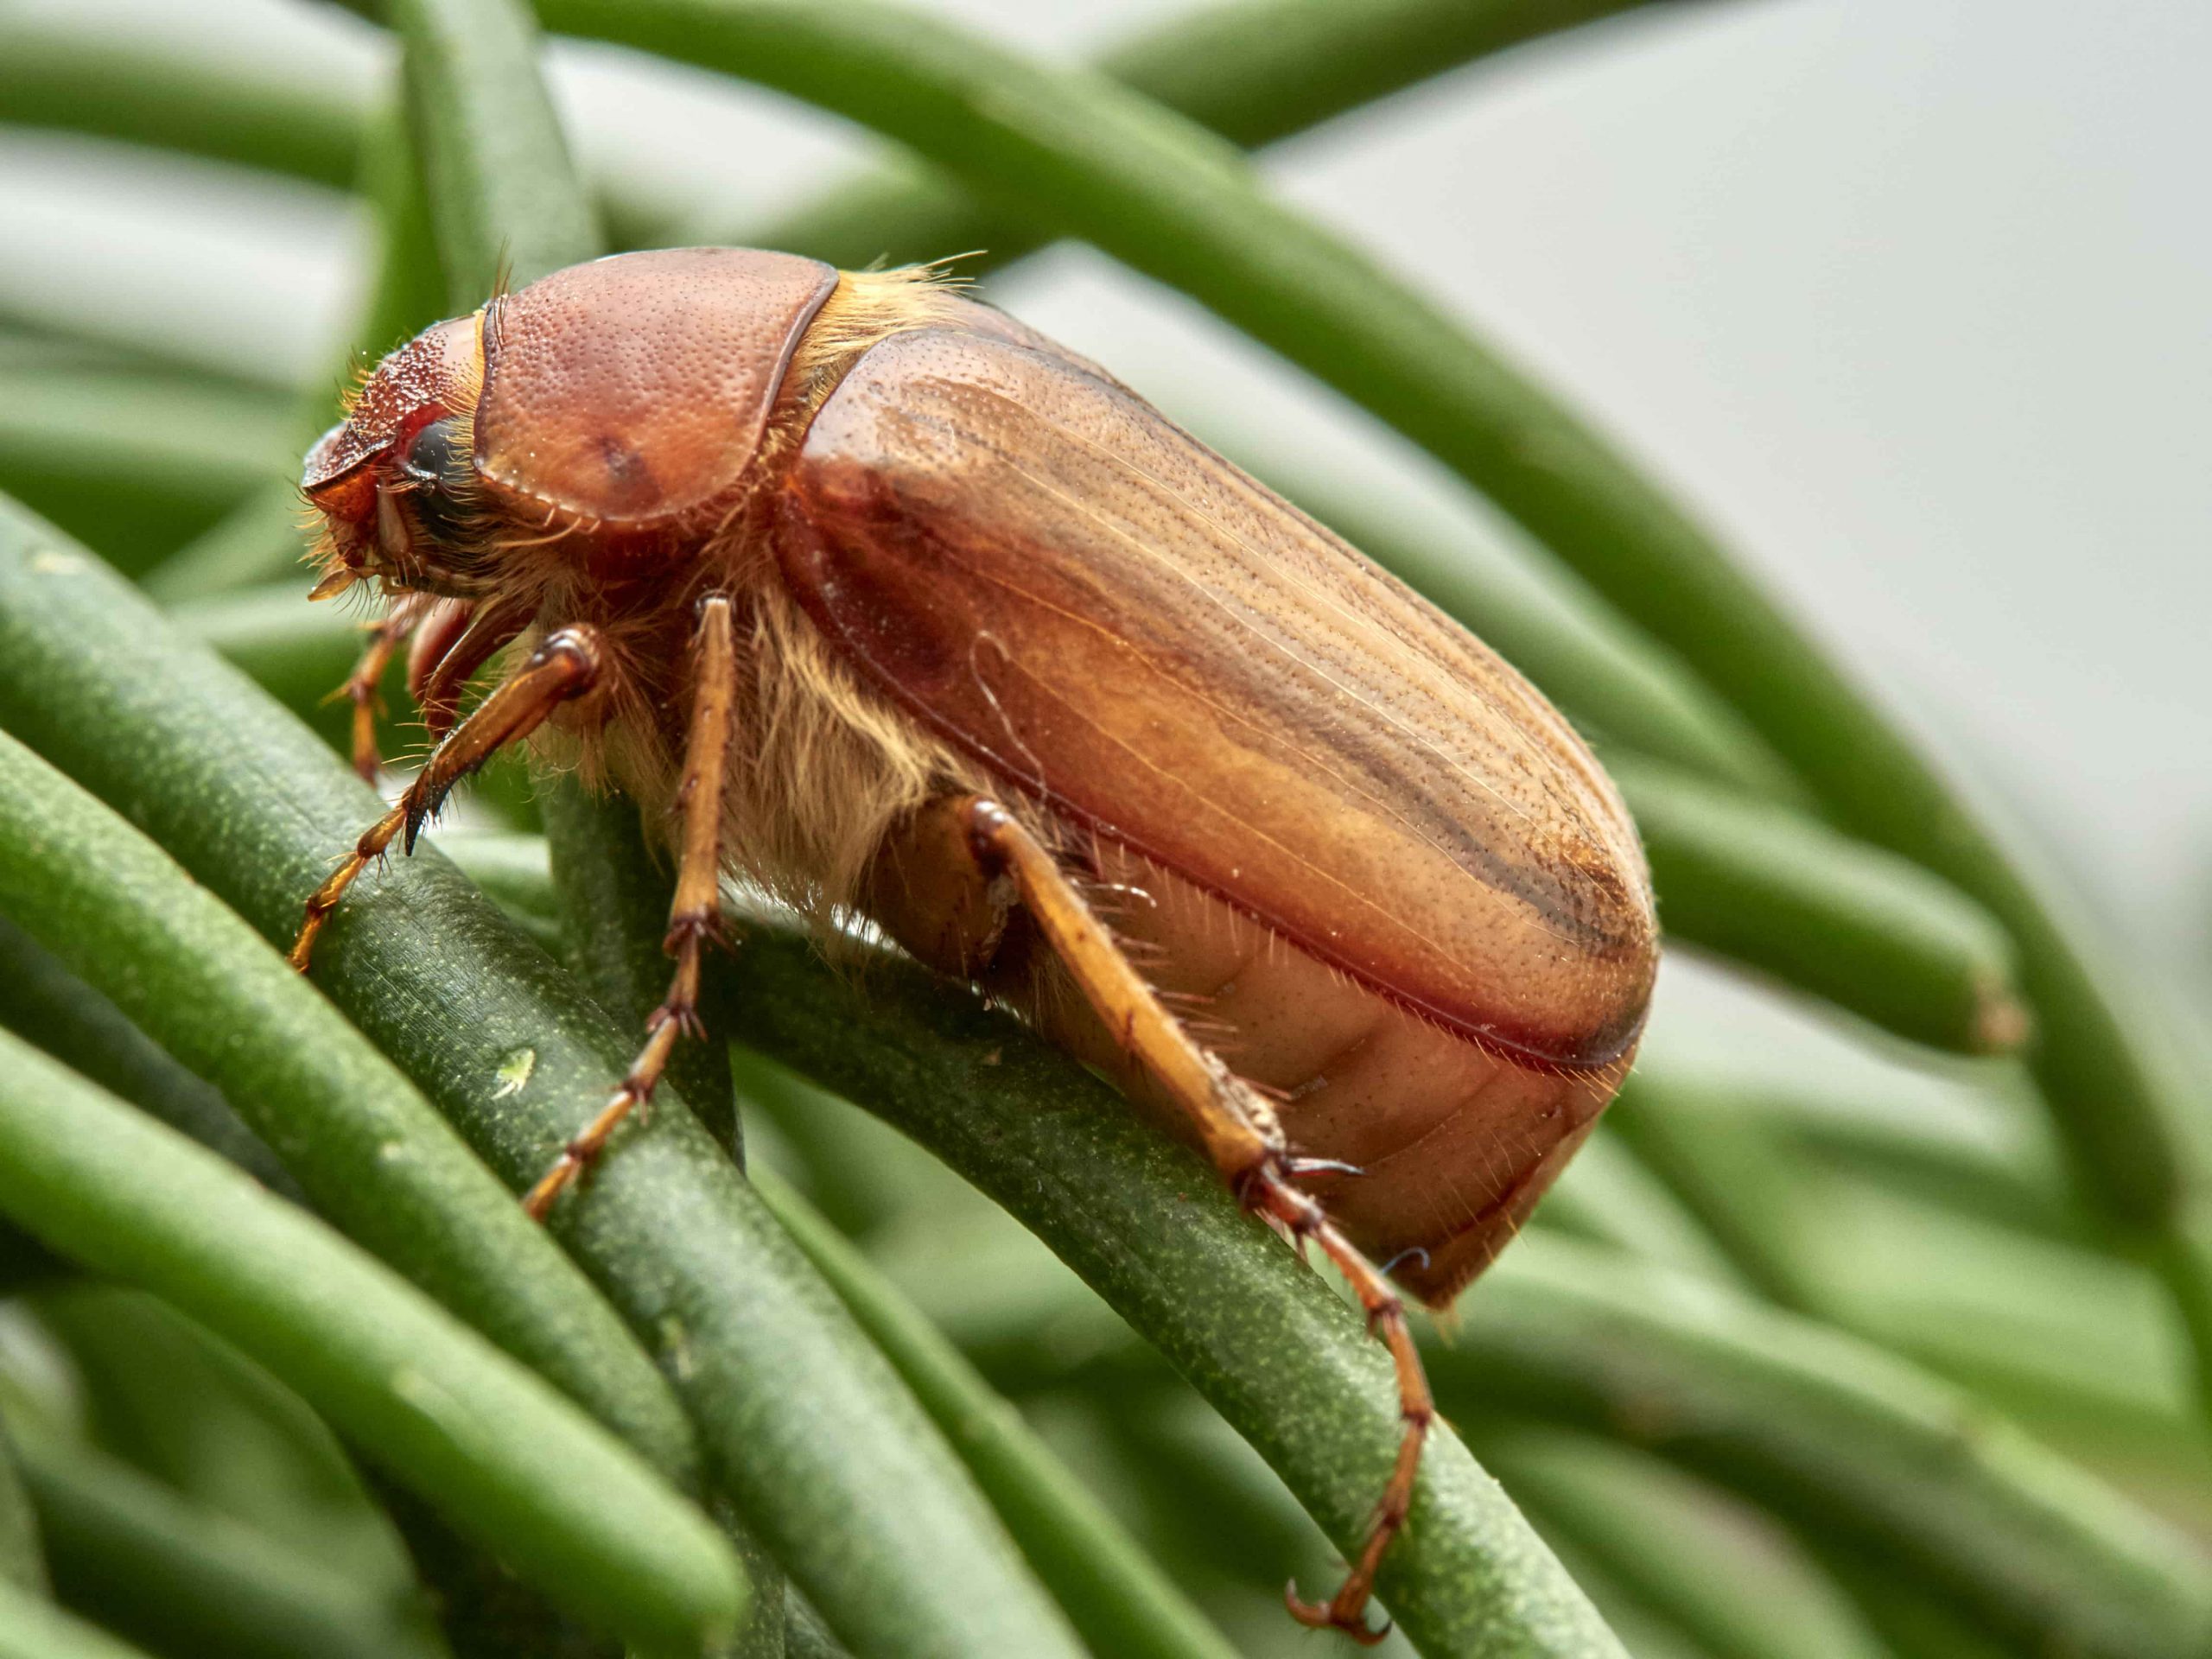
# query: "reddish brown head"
610, 400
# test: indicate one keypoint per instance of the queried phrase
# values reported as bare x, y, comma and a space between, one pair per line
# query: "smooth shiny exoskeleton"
886, 602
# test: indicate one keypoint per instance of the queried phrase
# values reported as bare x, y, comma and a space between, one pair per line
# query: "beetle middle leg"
1234, 1124
695, 911
565, 667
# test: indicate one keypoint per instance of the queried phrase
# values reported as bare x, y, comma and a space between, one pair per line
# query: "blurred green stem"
262, 539
1121, 1605
173, 1573
1855, 926
32, 1627
22, 1557
514, 1463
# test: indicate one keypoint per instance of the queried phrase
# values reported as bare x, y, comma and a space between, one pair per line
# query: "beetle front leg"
693, 913
1239, 1130
385, 637
565, 667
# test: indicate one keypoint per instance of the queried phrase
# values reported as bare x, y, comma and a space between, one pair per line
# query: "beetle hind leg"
1233, 1121
693, 913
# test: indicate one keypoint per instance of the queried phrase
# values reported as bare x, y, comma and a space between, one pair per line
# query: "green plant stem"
163, 1570
516, 873
844, 1478
612, 893
1839, 1437
1735, 1173
32, 1627
85, 74
23, 1555
364, 1145
43, 1002
512, 1462
614, 904
1608, 1195
1120, 1603
484, 1610
501, 191
1089, 158
134, 460
1253, 70
1659, 1534
1855, 926
258, 540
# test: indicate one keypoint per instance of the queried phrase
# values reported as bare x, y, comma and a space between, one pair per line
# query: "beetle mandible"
888, 603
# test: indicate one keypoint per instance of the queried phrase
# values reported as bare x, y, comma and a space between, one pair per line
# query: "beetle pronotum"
888, 603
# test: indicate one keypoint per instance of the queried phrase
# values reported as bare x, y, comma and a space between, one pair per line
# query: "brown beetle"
896, 607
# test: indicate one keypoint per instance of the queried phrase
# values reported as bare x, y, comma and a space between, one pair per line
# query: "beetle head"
610, 406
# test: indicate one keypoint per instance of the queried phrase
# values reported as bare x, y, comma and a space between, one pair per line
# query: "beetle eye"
443, 472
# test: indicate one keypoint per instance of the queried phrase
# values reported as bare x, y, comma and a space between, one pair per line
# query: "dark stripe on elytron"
1521, 1051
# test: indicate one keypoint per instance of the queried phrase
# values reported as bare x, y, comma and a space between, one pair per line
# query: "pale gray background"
1909, 297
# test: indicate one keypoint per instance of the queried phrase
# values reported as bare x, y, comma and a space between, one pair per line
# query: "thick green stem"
511, 1461
42, 1002
362, 1142
612, 891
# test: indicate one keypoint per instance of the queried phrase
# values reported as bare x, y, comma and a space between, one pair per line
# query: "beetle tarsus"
1323, 1616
